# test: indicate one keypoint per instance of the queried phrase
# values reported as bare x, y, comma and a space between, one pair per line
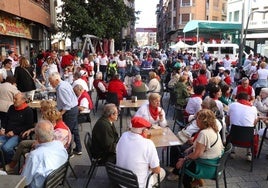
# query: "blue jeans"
7, 145
70, 118
122, 73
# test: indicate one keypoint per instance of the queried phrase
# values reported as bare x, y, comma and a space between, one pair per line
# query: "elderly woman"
138, 85
154, 83
185, 135
207, 145
261, 102
152, 112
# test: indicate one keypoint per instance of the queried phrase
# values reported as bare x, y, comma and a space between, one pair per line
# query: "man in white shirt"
80, 81
242, 113
137, 153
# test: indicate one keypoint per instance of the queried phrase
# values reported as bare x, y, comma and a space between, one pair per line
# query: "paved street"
238, 174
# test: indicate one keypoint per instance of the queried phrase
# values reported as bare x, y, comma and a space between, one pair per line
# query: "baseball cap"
139, 122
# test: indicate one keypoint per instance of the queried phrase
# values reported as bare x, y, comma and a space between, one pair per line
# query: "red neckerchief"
227, 95
61, 125
215, 98
195, 95
244, 102
23, 106
196, 135
154, 112
137, 83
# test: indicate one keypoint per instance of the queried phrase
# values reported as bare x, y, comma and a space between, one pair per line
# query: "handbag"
256, 143
254, 76
29, 73
33, 79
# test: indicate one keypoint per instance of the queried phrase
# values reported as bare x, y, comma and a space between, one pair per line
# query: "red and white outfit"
249, 90
62, 133
85, 101
241, 113
81, 82
145, 112
143, 154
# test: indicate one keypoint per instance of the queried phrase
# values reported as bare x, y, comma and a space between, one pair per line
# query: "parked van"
220, 50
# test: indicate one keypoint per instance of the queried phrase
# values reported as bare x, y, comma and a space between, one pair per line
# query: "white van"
220, 50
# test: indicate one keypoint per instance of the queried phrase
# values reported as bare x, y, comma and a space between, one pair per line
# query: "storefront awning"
211, 26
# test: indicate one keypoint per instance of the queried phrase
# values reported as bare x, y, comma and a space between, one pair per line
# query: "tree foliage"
102, 18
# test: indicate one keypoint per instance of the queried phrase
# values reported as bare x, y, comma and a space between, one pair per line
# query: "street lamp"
241, 49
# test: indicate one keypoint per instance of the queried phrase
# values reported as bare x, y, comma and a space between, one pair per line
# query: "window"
230, 16
227, 50
185, 3
185, 18
236, 16
213, 50
252, 16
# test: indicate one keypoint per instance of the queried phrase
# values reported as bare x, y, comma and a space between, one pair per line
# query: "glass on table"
165, 130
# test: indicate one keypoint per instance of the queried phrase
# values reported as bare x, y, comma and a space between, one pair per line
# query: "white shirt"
121, 64
154, 85
14, 63
227, 63
97, 63
81, 82
84, 103
262, 74
242, 115
193, 105
3, 72
104, 60
144, 112
137, 154
102, 87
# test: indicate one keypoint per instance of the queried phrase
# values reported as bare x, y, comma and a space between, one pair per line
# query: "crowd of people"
214, 94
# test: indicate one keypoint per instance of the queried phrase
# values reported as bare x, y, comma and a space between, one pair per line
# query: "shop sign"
14, 28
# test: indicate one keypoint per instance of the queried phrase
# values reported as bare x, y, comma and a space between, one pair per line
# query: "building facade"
128, 33
172, 16
26, 25
257, 32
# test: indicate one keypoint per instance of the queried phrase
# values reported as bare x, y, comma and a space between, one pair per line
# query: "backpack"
112, 68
